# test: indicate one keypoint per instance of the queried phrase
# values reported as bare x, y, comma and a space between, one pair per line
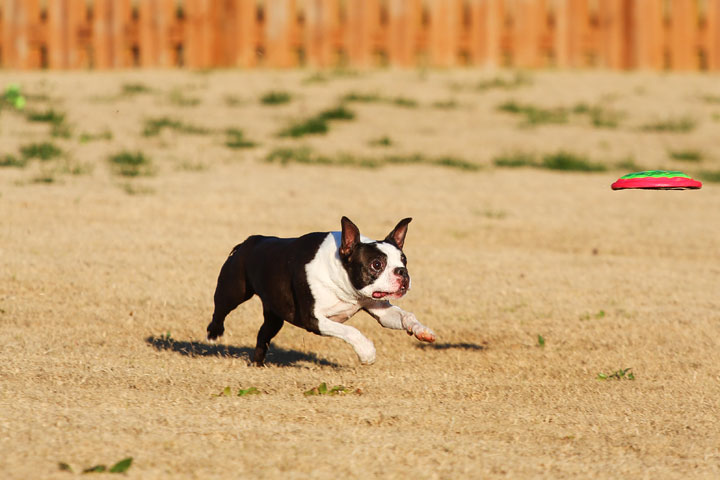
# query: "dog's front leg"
390, 316
364, 348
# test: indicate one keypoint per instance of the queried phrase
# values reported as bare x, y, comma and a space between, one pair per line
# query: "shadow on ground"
451, 345
276, 355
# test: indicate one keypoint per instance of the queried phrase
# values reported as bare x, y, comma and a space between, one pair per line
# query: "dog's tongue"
379, 294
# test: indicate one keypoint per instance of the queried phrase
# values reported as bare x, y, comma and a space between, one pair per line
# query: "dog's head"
377, 270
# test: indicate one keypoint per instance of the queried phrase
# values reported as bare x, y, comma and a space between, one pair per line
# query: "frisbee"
656, 180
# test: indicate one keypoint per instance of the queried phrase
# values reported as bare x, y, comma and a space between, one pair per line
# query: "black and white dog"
317, 282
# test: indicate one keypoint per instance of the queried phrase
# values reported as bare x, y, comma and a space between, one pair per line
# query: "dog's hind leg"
268, 330
233, 288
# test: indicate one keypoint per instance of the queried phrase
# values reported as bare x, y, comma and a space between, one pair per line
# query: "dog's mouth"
399, 293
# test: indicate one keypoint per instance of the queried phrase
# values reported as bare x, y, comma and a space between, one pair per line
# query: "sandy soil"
96, 271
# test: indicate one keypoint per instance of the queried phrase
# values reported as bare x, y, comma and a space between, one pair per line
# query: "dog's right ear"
349, 238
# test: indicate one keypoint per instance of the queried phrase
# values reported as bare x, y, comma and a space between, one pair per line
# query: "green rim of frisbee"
656, 174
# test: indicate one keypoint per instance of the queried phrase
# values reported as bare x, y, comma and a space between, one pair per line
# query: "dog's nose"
401, 272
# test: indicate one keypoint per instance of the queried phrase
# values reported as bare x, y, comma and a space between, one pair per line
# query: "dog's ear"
350, 236
397, 236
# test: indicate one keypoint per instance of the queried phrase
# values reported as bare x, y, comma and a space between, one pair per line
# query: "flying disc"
656, 180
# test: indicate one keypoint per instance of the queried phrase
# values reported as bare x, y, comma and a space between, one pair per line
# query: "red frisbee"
656, 180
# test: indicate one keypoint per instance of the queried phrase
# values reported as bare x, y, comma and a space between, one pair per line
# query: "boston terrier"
317, 282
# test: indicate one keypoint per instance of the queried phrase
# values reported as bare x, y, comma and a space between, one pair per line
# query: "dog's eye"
403, 259
376, 265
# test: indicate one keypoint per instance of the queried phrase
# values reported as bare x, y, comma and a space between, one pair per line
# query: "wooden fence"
615, 34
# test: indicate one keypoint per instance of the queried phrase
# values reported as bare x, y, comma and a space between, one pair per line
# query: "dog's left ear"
350, 236
397, 236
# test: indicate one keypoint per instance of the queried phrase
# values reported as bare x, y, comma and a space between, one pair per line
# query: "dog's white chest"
341, 311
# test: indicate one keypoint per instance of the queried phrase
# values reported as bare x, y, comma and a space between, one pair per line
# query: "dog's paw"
214, 332
423, 333
366, 353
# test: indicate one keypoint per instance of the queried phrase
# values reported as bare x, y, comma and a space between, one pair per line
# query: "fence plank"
486, 27
404, 24
245, 32
712, 35
527, 27
321, 23
155, 18
613, 23
683, 35
444, 28
19, 17
647, 28
363, 18
571, 31
280, 17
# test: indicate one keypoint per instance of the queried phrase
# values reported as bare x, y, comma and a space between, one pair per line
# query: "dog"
317, 282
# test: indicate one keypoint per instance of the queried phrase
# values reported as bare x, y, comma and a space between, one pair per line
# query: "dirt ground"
106, 282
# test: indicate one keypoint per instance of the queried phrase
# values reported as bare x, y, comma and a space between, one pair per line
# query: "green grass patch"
236, 139
304, 155
323, 389
622, 374
275, 98
177, 97
153, 127
686, 155
362, 97
628, 163
535, 115
404, 102
131, 164
13, 161
86, 137
716, 117
318, 124
712, 176
42, 151
518, 80
445, 104
563, 160
120, 467
515, 159
337, 113
310, 126
383, 141
671, 125
129, 89
377, 98
59, 128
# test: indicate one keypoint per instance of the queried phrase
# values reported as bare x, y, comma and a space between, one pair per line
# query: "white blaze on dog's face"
377, 270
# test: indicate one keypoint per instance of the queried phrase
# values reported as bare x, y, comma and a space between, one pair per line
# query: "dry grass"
105, 296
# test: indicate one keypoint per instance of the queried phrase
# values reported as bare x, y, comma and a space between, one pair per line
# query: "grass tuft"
622, 374
13, 161
275, 98
42, 151
503, 83
153, 127
563, 160
686, 155
446, 104
304, 155
134, 89
712, 176
236, 139
515, 159
671, 125
318, 124
131, 164
383, 141
177, 97
535, 115
91, 137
